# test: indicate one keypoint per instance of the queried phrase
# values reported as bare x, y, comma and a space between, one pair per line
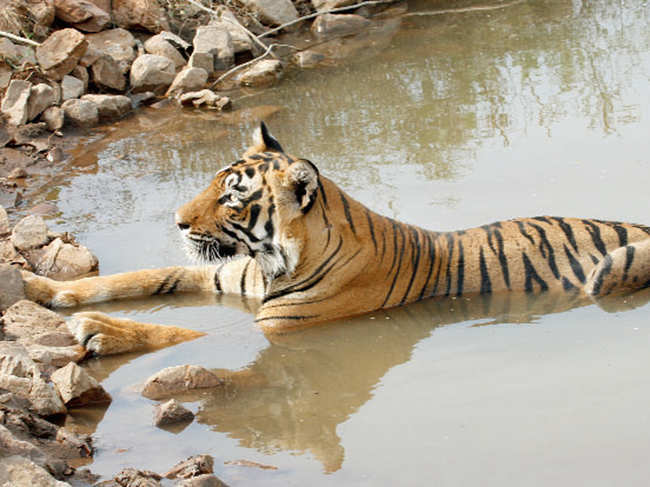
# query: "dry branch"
16, 38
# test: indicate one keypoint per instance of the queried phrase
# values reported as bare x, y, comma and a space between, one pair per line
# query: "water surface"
444, 121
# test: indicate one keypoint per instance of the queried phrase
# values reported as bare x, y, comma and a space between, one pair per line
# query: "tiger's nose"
180, 223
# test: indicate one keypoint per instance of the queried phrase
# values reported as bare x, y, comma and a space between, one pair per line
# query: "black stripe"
486, 284
503, 261
254, 215
576, 267
172, 288
594, 231
392, 265
243, 230
372, 230
461, 268
602, 273
415, 262
547, 250
622, 235
399, 264
523, 231
346, 210
432, 258
566, 284
217, 281
322, 191
242, 281
629, 258
568, 231
163, 284
450, 254
531, 275
289, 317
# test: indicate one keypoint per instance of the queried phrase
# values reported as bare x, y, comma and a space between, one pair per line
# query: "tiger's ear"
302, 178
263, 141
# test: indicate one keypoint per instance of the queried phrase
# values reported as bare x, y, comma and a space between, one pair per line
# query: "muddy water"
446, 121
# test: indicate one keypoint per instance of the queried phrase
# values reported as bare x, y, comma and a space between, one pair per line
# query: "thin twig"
332, 10
241, 66
19, 39
476, 8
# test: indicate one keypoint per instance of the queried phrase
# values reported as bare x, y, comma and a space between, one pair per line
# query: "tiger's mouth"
208, 249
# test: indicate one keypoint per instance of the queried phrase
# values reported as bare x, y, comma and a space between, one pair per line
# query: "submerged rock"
192, 467
172, 412
308, 59
338, 24
181, 378
261, 74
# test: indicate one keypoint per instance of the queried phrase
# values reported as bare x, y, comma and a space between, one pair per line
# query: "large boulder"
110, 107
83, 14
189, 79
273, 12
15, 104
29, 233
71, 87
226, 20
215, 41
41, 97
263, 73
81, 113
152, 73
107, 73
60, 260
140, 15
116, 43
168, 45
60, 52
338, 24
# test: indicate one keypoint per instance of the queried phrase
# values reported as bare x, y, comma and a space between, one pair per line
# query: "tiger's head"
253, 207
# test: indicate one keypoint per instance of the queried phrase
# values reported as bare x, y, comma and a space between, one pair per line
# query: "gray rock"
107, 73
110, 107
205, 97
163, 45
81, 113
71, 87
193, 466
338, 24
273, 12
55, 356
54, 118
42, 96
5, 76
116, 43
62, 261
130, 477
81, 73
15, 104
9, 255
18, 55
27, 321
77, 388
4, 222
323, 5
226, 20
205, 480
29, 233
18, 471
189, 79
172, 412
60, 52
215, 39
90, 56
11, 286
308, 59
20, 376
152, 73
262, 73
180, 378
202, 60
85, 15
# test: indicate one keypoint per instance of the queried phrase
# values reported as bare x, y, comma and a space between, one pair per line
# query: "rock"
5, 75
308, 59
130, 477
10, 444
202, 60
63, 261
29, 233
205, 97
89, 57
144, 98
56, 356
205, 480
107, 73
116, 43
225, 20
180, 378
18, 55
262, 73
20, 376
152, 73
30, 322
338, 24
17, 173
9, 255
15, 104
85, 15
81, 73
163, 45
189, 79
273, 12
216, 41
60, 52
140, 15
71, 87
81, 113
4, 222
172, 412
323, 5
11, 286
42, 11
42, 96
110, 107
77, 388
193, 466
18, 471
54, 118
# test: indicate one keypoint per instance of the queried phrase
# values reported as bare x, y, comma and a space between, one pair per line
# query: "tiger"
270, 226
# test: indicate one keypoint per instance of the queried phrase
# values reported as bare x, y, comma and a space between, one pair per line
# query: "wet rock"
225, 20
42, 96
71, 87
85, 15
206, 98
181, 378
216, 41
192, 467
110, 107
308, 59
172, 412
54, 118
130, 477
144, 98
116, 43
165, 44
323, 5
29, 233
4, 222
81, 113
107, 73
62, 261
273, 12
140, 15
77, 388
60, 52
10, 444
205, 480
18, 471
189, 79
338, 24
15, 103
81, 73
20, 376
11, 286
152, 73
263, 73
